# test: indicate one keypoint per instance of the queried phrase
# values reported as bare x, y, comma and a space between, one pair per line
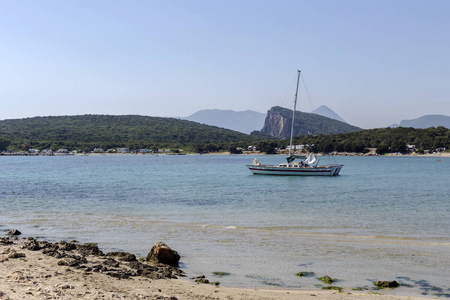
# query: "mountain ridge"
325, 111
427, 121
242, 121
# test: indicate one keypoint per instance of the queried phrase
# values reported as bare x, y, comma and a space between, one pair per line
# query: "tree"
233, 150
4, 143
339, 147
382, 149
267, 147
325, 147
26, 146
398, 147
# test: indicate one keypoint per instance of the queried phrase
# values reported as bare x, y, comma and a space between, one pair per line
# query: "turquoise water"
383, 218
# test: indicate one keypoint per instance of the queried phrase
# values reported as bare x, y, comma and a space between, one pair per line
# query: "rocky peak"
278, 124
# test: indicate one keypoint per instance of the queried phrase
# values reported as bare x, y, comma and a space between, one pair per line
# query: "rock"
159, 271
179, 272
6, 251
161, 253
46, 245
386, 284
112, 263
278, 124
14, 232
5, 241
16, 255
65, 246
32, 245
327, 279
89, 249
121, 273
71, 262
165, 272
65, 287
123, 256
152, 275
136, 265
98, 268
201, 279
53, 252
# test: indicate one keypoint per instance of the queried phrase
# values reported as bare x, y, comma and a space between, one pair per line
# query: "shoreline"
436, 155
34, 269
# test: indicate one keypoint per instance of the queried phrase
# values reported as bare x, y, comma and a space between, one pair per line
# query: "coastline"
437, 155
29, 270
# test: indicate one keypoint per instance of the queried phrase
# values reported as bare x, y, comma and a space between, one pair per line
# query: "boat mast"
293, 113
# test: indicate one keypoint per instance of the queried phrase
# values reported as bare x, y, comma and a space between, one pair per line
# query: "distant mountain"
242, 121
278, 124
427, 122
325, 111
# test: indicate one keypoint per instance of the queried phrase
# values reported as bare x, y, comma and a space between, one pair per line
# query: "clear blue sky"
373, 62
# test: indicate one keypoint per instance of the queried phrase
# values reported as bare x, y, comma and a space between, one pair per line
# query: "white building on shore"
123, 150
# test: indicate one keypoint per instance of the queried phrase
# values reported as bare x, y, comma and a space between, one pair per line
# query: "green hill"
385, 140
108, 131
133, 131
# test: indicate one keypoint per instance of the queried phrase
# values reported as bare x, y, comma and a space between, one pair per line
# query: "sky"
374, 63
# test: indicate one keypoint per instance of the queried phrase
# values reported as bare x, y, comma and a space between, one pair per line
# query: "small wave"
217, 226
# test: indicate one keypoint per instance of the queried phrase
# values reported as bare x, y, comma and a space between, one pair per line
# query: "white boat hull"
329, 170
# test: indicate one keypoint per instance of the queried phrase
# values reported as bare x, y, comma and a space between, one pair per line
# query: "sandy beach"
35, 270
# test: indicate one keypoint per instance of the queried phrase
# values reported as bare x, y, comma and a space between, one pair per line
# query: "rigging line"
311, 102
335, 161
286, 101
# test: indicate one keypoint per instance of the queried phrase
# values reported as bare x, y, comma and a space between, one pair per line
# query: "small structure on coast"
47, 152
123, 150
33, 151
62, 151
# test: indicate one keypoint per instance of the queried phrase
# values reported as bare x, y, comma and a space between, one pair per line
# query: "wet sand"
71, 274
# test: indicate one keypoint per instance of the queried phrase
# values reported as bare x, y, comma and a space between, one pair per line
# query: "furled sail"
293, 157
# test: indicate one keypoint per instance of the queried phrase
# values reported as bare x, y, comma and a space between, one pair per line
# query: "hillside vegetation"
135, 132
386, 140
107, 131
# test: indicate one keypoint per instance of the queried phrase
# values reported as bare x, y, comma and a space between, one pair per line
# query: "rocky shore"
32, 269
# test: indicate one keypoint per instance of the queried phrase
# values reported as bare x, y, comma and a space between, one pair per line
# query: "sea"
382, 218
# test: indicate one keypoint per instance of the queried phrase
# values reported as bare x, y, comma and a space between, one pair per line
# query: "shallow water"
383, 218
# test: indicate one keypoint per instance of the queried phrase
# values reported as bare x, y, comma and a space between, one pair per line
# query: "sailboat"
307, 166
